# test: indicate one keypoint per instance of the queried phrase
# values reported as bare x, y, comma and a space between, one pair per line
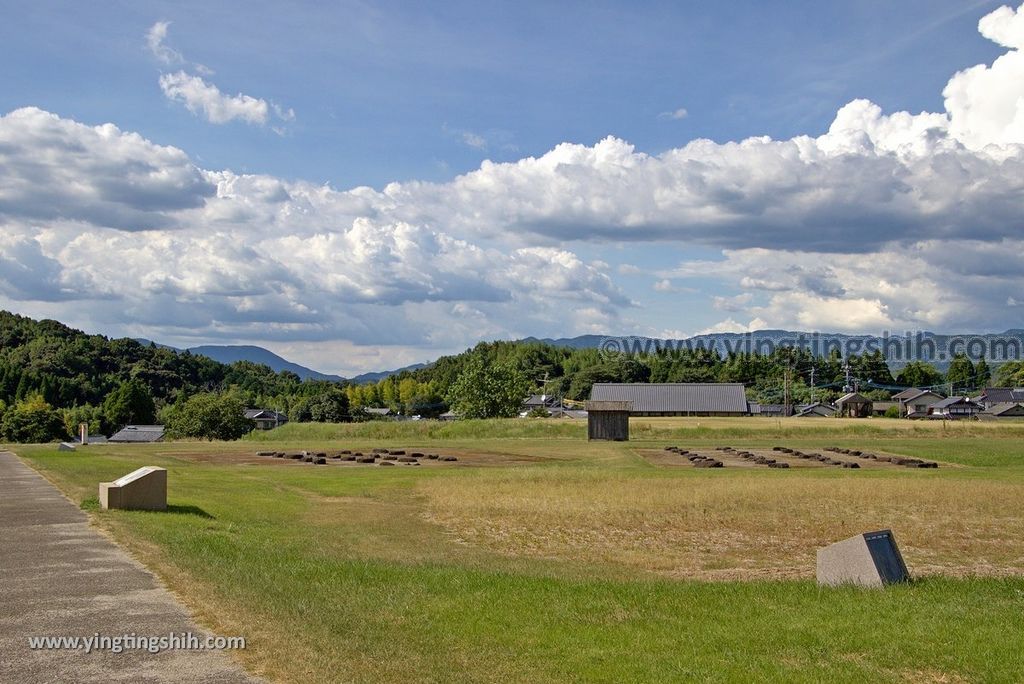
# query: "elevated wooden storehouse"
608, 420
854, 405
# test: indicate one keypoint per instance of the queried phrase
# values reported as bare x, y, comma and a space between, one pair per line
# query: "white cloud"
1004, 26
735, 303
887, 220
204, 98
731, 326
474, 140
675, 114
200, 97
56, 169
155, 38
666, 285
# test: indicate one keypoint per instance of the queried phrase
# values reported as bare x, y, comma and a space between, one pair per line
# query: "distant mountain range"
935, 348
938, 349
229, 353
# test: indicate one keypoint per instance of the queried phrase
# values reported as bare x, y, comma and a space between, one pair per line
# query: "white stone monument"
142, 489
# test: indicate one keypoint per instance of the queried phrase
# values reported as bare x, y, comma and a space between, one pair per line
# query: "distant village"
697, 399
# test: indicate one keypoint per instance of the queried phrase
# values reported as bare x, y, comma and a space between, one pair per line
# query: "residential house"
266, 419
766, 410
917, 403
990, 396
545, 402
957, 407
880, 408
1004, 410
676, 399
818, 409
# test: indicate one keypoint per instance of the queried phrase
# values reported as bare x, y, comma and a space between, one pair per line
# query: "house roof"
817, 409
952, 401
377, 411
854, 397
1007, 408
757, 409
907, 393
678, 397
1002, 395
264, 414
598, 406
138, 433
920, 393
540, 400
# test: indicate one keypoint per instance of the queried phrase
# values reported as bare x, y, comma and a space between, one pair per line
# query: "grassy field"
541, 557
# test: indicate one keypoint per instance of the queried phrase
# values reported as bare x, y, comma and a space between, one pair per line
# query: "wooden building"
854, 405
676, 398
608, 420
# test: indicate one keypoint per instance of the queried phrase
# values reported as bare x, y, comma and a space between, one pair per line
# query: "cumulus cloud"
886, 220
1004, 26
56, 169
928, 285
98, 215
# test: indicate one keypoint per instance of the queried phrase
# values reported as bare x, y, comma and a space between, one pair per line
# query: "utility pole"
846, 367
812, 383
785, 391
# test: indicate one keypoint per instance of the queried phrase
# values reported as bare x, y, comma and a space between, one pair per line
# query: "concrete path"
59, 577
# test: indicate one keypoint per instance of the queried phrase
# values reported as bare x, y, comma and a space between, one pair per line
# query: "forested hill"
46, 366
70, 369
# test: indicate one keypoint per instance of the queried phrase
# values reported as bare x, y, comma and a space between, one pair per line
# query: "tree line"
52, 378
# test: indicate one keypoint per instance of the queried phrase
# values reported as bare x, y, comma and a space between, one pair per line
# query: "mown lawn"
588, 563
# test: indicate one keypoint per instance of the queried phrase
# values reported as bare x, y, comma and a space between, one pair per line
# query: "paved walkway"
59, 577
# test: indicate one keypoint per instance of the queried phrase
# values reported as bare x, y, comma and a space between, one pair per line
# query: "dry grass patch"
732, 525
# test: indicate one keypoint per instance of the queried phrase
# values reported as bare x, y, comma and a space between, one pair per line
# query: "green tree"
210, 416
32, 420
131, 403
485, 390
960, 374
919, 374
982, 374
76, 415
1010, 374
330, 406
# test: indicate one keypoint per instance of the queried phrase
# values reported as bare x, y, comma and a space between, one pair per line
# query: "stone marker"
871, 559
143, 489
65, 446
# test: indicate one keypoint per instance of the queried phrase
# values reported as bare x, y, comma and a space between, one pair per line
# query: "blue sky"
531, 170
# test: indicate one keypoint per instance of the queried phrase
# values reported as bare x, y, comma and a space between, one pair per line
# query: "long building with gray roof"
677, 398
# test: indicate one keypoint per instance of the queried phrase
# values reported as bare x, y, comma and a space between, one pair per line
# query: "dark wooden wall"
608, 425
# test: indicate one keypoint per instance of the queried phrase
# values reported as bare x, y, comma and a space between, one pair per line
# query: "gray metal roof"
1006, 407
952, 401
138, 433
917, 395
681, 397
818, 408
265, 414
1002, 395
907, 394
